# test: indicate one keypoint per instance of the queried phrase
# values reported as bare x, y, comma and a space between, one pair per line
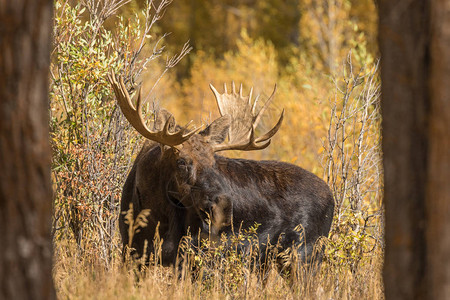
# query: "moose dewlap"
185, 185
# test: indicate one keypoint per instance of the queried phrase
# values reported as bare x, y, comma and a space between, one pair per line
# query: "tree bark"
25, 187
438, 188
415, 48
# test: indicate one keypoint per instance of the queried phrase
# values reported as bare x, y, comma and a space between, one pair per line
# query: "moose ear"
217, 131
161, 117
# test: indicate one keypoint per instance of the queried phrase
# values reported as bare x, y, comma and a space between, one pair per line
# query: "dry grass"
86, 277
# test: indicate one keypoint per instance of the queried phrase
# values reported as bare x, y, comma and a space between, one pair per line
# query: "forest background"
323, 57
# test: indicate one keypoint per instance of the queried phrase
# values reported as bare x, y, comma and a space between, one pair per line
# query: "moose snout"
220, 212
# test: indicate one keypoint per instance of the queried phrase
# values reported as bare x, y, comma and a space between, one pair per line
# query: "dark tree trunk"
438, 188
415, 70
25, 188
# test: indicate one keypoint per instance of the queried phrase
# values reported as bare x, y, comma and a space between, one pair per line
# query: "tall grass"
213, 274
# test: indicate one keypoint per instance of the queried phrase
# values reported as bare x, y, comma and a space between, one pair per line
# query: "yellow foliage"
253, 64
329, 29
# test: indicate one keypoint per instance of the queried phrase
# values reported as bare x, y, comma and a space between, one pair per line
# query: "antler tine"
269, 134
166, 125
252, 142
134, 116
185, 136
217, 97
254, 104
266, 105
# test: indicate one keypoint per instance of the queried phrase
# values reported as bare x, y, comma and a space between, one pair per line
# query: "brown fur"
185, 185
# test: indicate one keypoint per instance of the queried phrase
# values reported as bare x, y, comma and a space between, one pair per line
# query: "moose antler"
134, 116
244, 119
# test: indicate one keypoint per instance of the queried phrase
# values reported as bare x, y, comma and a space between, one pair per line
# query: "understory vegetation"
327, 81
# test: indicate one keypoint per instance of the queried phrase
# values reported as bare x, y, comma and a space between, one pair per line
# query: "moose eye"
181, 162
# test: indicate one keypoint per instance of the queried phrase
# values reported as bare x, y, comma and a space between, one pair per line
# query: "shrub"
93, 146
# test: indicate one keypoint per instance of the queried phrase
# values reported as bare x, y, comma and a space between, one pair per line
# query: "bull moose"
183, 182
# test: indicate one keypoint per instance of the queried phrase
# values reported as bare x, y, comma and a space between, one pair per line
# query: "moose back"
185, 185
